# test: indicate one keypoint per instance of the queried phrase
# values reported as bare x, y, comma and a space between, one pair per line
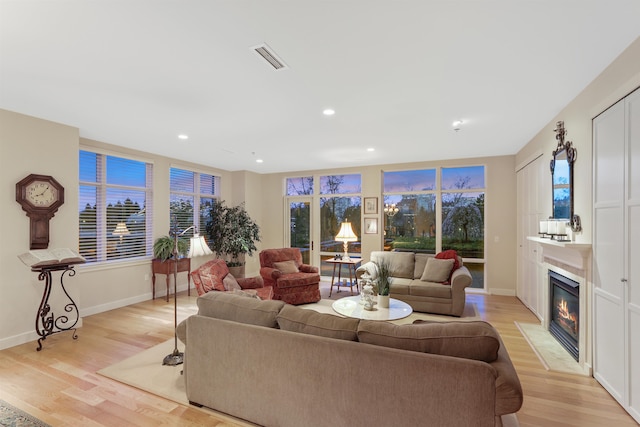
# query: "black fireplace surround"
565, 311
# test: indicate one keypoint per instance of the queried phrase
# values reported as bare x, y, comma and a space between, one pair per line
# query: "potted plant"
232, 234
383, 281
163, 248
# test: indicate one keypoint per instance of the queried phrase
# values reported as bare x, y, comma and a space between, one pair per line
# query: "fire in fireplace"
565, 311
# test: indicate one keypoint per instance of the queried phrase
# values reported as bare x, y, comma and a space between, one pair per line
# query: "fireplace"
565, 311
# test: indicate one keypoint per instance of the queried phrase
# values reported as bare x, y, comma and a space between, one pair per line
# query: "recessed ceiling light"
371, 149
259, 161
328, 112
457, 124
183, 136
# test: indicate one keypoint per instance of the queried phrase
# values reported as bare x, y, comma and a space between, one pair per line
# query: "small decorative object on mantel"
564, 156
559, 230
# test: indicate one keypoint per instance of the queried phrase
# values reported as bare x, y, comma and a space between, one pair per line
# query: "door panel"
300, 228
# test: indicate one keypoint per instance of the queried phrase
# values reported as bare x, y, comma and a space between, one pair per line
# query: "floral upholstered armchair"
293, 281
214, 276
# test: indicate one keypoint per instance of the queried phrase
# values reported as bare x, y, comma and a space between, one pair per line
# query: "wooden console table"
167, 268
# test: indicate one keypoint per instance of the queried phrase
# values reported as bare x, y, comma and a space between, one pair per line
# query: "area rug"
551, 354
10, 416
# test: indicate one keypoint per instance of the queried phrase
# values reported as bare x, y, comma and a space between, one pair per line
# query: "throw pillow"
207, 283
450, 254
476, 340
230, 283
286, 267
437, 270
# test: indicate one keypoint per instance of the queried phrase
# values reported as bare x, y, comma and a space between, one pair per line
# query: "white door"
608, 250
632, 261
616, 248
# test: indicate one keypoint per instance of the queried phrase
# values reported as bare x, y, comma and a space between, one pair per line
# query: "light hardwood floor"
60, 386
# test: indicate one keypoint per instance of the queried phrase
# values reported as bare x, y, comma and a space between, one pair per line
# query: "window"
114, 205
413, 225
188, 190
300, 186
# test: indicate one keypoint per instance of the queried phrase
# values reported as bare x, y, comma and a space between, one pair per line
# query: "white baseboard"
502, 292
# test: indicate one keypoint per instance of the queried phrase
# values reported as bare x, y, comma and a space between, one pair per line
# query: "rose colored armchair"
214, 276
293, 282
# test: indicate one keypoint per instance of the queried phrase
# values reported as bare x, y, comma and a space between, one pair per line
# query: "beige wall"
32, 146
617, 80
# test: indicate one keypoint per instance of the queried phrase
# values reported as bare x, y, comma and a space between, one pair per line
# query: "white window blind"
192, 194
114, 204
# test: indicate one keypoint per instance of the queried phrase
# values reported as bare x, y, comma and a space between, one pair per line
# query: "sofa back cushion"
470, 340
402, 263
227, 306
296, 319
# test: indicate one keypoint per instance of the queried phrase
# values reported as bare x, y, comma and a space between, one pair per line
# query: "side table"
167, 268
351, 264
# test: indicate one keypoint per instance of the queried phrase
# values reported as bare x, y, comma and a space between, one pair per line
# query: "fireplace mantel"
571, 256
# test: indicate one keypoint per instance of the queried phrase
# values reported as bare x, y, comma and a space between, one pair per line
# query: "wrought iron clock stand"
46, 321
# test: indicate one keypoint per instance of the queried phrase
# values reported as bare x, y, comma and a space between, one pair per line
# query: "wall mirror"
561, 166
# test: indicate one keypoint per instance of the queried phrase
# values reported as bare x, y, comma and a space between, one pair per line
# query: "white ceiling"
398, 73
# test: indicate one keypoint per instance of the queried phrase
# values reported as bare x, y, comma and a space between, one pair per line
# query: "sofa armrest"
270, 275
306, 268
460, 279
251, 282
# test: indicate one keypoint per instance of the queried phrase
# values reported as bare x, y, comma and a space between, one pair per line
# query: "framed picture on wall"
370, 205
371, 225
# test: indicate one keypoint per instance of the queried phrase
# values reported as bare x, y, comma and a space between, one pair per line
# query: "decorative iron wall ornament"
564, 156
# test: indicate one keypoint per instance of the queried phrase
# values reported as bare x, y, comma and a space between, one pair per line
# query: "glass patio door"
300, 227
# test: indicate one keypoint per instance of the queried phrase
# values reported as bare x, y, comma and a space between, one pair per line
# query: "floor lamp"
197, 247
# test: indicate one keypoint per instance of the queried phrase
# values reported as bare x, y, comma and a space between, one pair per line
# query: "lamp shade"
198, 246
346, 233
121, 229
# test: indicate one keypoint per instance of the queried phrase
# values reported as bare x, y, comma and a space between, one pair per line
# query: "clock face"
41, 193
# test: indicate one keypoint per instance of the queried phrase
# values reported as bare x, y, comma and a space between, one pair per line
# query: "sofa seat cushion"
227, 306
295, 319
429, 289
400, 286
469, 340
298, 279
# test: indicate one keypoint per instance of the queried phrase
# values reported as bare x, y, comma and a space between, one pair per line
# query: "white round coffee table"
351, 307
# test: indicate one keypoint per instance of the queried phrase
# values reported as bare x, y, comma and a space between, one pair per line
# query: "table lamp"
346, 235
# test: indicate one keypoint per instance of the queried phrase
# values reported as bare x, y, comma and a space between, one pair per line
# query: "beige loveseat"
275, 364
407, 270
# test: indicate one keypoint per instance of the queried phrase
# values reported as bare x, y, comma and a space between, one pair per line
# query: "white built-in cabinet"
616, 251
534, 184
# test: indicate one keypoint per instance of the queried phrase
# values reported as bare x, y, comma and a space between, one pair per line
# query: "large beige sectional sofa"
276, 364
407, 269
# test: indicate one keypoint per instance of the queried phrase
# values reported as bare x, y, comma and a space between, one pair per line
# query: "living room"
37, 145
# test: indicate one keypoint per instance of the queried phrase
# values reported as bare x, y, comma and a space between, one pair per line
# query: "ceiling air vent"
267, 53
